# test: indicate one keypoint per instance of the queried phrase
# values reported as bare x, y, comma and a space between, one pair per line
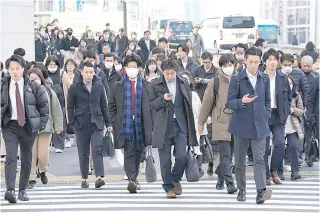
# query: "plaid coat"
116, 113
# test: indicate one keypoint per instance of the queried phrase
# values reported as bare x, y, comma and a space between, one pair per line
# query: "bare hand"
58, 132
109, 128
167, 97
200, 128
246, 99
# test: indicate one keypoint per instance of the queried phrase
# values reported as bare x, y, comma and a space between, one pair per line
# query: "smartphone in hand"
252, 96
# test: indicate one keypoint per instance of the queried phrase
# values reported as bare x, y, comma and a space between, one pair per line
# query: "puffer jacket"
293, 122
35, 103
55, 121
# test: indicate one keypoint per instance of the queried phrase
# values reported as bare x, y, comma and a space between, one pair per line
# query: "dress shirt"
148, 44
88, 85
12, 94
252, 79
172, 89
273, 91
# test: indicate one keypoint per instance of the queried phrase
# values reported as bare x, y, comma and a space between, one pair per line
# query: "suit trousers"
132, 158
224, 168
240, 151
14, 135
90, 134
173, 175
40, 154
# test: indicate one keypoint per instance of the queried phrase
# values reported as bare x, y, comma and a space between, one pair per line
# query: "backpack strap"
215, 89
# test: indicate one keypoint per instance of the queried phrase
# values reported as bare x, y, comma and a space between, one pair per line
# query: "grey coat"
55, 121
197, 44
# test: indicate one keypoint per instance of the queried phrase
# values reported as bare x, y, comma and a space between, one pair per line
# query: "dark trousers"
132, 158
174, 175
90, 134
278, 142
14, 135
59, 139
224, 169
250, 154
293, 151
240, 151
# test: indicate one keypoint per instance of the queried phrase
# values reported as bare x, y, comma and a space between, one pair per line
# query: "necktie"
20, 111
132, 95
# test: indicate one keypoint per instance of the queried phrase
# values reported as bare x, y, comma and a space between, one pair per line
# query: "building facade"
295, 18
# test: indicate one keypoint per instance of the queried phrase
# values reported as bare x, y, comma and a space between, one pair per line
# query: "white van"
225, 31
157, 28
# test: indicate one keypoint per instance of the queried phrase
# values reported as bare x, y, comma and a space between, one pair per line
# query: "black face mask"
69, 33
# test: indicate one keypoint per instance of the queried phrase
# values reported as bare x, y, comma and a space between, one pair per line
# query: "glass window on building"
303, 34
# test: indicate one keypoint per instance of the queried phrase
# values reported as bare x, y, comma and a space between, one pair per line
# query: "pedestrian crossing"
291, 196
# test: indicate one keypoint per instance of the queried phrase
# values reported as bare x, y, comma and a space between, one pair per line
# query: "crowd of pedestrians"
146, 95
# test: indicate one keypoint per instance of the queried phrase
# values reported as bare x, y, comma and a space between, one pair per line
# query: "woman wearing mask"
40, 152
214, 103
60, 84
293, 130
134, 48
57, 46
152, 71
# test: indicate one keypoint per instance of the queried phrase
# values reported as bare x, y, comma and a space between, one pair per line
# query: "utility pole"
317, 28
125, 20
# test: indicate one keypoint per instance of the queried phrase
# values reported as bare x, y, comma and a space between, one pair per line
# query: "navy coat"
249, 120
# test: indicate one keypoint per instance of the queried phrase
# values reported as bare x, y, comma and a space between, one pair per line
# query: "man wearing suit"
24, 112
280, 94
174, 125
197, 41
131, 118
249, 98
146, 45
121, 42
88, 114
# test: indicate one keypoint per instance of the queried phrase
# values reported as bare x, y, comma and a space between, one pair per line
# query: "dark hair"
118, 59
157, 50
172, 55
88, 64
61, 32
132, 58
270, 52
108, 55
161, 57
19, 51
30, 64
70, 60
147, 31
241, 45
287, 57
188, 39
191, 79
105, 44
253, 51
184, 48
1, 66
38, 73
42, 68
147, 71
298, 57
107, 24
310, 46
207, 55
121, 30
163, 39
89, 54
53, 58
15, 58
281, 53
169, 64
259, 42
226, 58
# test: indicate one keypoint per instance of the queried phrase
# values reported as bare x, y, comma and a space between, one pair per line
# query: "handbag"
108, 145
70, 130
150, 172
192, 167
206, 150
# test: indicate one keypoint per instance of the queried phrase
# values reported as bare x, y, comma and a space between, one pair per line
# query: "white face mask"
108, 64
38, 81
52, 69
118, 67
60, 36
152, 67
291, 86
286, 70
132, 72
228, 70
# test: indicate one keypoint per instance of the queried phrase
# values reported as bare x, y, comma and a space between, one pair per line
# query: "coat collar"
243, 74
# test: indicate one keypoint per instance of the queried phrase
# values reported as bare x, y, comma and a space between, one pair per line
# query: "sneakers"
99, 183
295, 176
210, 169
68, 143
84, 184
58, 151
263, 195
220, 184
31, 184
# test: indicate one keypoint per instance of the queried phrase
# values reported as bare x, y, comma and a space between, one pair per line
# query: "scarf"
132, 132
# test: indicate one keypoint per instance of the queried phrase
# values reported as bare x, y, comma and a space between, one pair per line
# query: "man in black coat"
108, 68
146, 45
131, 118
88, 114
121, 42
174, 124
24, 112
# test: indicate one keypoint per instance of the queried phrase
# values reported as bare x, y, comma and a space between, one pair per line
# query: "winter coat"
293, 122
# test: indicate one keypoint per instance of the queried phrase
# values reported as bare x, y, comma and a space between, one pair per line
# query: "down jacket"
35, 102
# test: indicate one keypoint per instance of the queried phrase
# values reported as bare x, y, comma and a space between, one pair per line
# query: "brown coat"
220, 120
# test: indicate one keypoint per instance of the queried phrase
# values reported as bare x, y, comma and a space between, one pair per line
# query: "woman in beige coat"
293, 130
40, 152
215, 103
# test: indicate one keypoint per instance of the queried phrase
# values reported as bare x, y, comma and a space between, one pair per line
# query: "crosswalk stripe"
291, 196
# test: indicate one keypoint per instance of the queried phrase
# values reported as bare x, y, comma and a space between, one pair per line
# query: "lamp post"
125, 21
